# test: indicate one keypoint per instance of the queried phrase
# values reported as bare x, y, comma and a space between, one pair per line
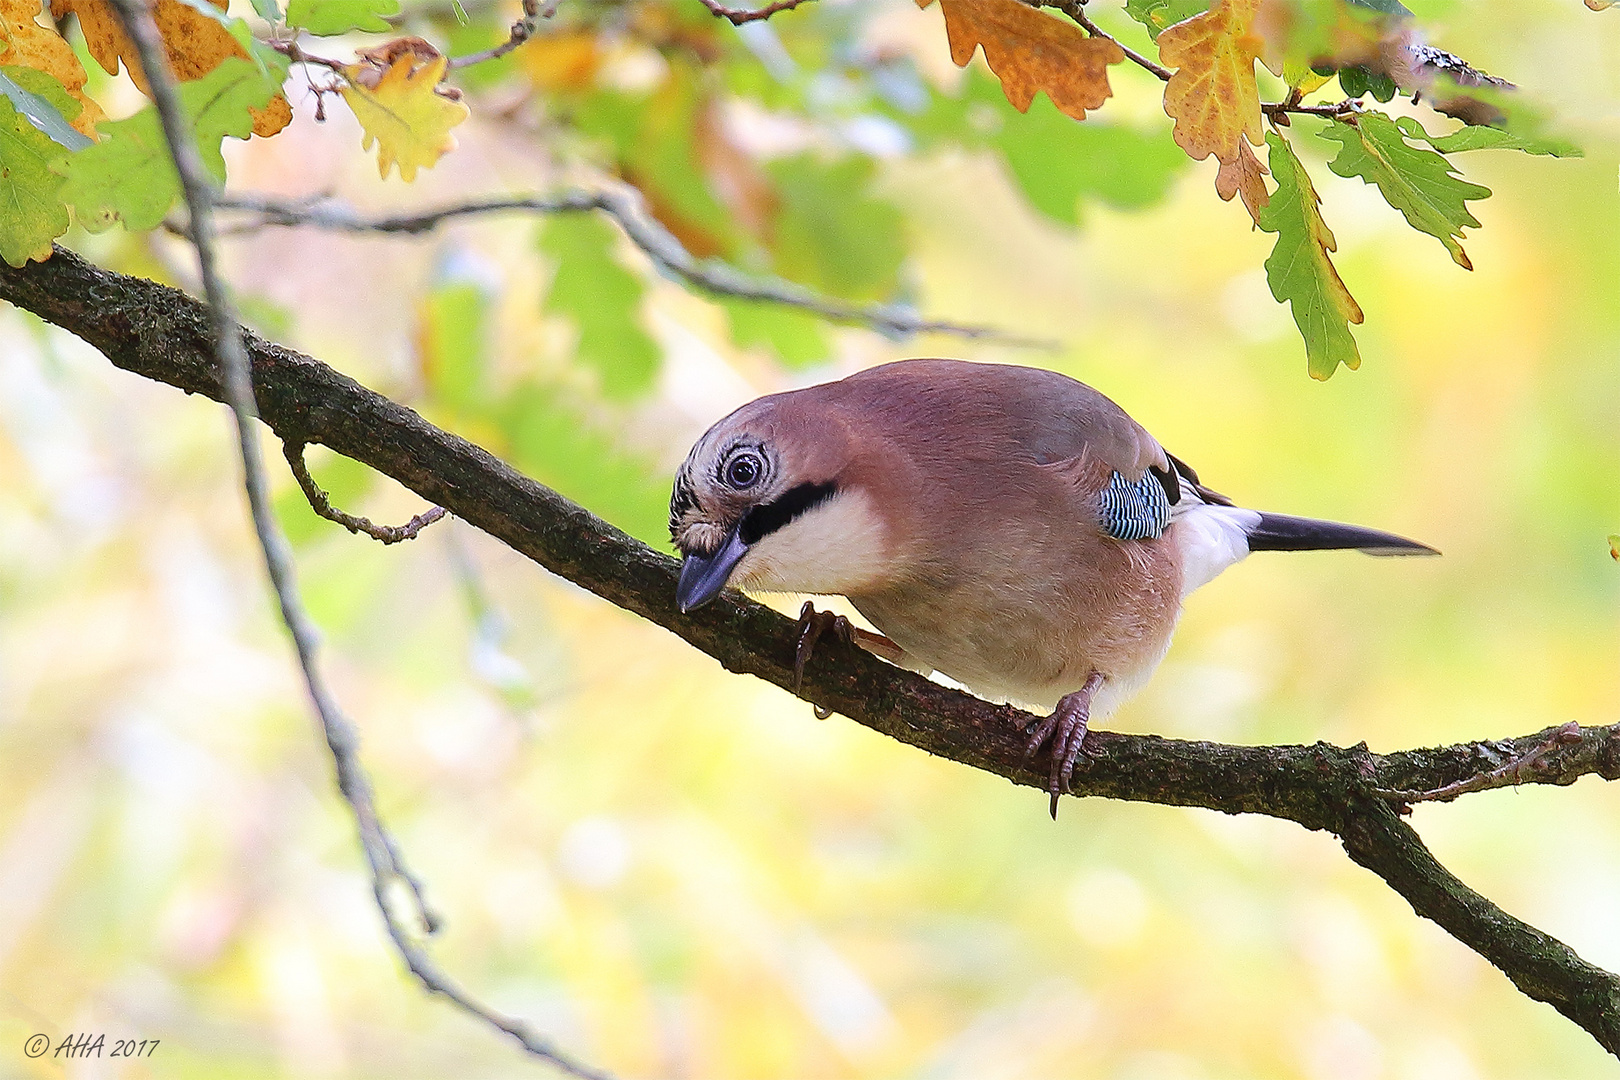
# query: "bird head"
766, 499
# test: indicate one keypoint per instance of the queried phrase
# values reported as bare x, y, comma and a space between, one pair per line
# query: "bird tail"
1280, 532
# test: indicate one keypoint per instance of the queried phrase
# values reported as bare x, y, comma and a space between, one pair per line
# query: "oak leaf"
46, 103
32, 213
129, 176
1421, 184
324, 18
1030, 51
1244, 176
1213, 96
28, 44
404, 113
196, 44
1299, 271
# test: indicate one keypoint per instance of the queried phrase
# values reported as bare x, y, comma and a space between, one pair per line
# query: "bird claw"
813, 624
1066, 729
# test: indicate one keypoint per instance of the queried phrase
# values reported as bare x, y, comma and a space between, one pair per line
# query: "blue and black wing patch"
1134, 510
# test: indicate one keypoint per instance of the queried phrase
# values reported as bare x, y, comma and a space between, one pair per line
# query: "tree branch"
162, 334
738, 16
626, 207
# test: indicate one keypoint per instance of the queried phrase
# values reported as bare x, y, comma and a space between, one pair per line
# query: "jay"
1008, 527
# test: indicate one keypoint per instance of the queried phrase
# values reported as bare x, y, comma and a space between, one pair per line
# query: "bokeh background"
681, 873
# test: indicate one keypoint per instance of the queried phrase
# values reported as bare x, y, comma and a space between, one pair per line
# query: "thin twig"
295, 52
1075, 9
738, 16
382, 854
522, 30
321, 503
1338, 110
1563, 753
626, 206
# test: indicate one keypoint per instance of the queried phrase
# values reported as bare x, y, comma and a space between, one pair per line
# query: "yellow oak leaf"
195, 43
1244, 175
28, 44
1030, 51
1213, 96
404, 113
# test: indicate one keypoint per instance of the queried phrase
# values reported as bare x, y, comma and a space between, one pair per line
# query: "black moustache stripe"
766, 518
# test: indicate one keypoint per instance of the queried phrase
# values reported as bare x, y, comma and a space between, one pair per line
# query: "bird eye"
744, 470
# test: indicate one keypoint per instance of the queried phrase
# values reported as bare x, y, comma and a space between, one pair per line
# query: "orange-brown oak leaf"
1213, 96
1030, 51
25, 43
1244, 175
195, 44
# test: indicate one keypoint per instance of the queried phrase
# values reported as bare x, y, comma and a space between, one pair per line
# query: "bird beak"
703, 576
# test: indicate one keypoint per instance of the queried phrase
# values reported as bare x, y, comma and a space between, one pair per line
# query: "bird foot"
1066, 729
813, 624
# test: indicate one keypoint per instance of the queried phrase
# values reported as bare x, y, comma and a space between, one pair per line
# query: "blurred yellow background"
681, 873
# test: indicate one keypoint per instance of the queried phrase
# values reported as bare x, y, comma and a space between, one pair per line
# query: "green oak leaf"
1415, 180
45, 101
129, 175
1359, 81
32, 213
324, 18
1299, 270
1474, 137
1156, 15
604, 301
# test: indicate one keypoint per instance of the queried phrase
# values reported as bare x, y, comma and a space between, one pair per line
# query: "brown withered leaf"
1030, 51
1213, 96
1245, 176
195, 44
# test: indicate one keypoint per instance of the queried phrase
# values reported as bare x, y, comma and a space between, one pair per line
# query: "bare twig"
237, 389
295, 52
156, 332
625, 205
1076, 10
321, 503
738, 16
522, 30
1562, 757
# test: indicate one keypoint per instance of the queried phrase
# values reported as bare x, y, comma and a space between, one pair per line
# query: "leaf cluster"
651, 93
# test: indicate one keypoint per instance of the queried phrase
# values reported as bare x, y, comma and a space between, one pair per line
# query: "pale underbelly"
1033, 657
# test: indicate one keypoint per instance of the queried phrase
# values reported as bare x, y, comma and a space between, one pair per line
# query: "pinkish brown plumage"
1008, 527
